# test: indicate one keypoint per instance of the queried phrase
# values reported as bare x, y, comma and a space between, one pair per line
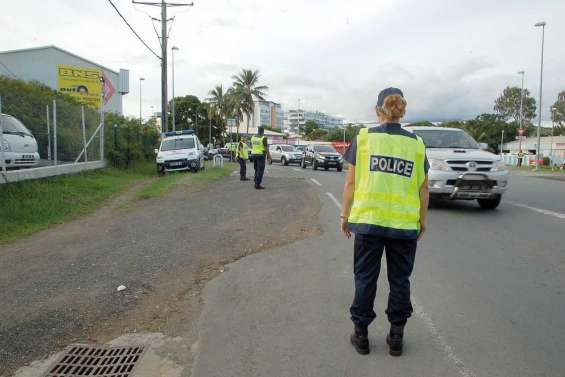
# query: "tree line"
234, 103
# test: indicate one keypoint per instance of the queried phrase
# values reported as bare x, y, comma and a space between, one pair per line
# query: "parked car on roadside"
180, 150
19, 144
285, 154
321, 156
461, 168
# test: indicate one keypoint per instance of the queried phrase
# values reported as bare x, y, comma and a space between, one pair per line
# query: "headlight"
499, 165
438, 165
160, 160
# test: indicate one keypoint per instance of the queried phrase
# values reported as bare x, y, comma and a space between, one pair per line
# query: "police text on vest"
392, 165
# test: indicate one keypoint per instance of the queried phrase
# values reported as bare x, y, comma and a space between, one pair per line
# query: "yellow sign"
82, 83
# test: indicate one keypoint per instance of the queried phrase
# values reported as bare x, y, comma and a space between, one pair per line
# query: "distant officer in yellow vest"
242, 157
385, 203
260, 153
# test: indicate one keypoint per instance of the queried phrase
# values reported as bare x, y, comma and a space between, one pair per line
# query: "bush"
124, 144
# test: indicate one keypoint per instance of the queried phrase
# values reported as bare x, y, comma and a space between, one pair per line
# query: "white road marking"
442, 342
315, 181
336, 202
538, 210
296, 169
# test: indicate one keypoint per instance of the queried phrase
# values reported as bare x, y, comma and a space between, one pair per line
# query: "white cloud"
452, 58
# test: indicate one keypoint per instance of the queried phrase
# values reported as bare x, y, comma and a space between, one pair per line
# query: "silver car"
285, 154
461, 168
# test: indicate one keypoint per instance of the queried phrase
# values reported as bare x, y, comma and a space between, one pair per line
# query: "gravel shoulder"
59, 286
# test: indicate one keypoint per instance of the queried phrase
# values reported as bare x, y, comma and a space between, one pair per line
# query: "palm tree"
246, 82
235, 105
218, 105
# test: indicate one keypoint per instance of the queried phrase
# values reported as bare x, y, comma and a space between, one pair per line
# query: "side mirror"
156, 151
483, 146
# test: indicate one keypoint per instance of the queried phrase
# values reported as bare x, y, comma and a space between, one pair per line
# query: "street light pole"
521, 113
551, 142
538, 149
175, 48
502, 142
140, 103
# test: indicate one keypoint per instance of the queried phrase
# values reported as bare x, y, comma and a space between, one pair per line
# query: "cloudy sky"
451, 57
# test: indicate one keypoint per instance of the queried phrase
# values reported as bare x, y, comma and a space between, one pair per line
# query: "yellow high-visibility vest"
389, 173
257, 146
244, 151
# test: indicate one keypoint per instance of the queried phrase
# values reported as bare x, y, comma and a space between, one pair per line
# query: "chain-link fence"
36, 132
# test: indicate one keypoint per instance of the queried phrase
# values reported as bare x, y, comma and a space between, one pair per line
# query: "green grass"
31, 206
163, 184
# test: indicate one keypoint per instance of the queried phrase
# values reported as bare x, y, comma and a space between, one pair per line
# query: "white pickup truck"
461, 168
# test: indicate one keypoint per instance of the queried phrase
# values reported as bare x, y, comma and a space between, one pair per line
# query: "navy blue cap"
388, 92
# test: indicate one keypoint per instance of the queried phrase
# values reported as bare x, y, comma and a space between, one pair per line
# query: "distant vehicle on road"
321, 156
300, 147
180, 150
19, 146
285, 154
461, 168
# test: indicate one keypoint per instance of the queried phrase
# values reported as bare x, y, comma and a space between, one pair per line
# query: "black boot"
360, 340
394, 339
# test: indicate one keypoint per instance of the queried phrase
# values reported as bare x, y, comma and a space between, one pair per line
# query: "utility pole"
163, 40
538, 149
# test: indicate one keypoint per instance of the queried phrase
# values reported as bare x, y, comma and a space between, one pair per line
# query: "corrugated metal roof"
59, 49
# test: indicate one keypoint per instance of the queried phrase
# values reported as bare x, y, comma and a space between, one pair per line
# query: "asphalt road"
488, 289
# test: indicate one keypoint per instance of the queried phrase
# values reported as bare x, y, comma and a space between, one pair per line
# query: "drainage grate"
101, 361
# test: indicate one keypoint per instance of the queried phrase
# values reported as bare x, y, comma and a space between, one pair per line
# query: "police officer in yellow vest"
260, 153
242, 156
385, 203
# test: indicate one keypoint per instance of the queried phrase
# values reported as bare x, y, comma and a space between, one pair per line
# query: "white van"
180, 150
19, 145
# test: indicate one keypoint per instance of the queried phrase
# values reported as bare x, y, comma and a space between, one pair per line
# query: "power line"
133, 31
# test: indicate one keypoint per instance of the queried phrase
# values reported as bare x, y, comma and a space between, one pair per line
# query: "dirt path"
59, 286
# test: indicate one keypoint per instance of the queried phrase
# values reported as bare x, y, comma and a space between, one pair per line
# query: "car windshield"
287, 148
324, 149
13, 126
447, 139
176, 144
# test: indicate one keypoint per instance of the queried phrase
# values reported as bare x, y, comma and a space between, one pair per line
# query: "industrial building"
66, 72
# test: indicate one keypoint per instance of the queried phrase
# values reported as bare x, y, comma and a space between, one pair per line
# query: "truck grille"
469, 165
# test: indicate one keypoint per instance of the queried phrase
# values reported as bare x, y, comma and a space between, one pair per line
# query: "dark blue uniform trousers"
259, 165
400, 255
242, 168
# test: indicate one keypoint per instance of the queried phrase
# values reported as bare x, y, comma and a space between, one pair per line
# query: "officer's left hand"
345, 228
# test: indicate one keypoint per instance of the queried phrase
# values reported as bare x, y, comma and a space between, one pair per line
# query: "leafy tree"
246, 82
317, 134
487, 128
558, 113
508, 105
309, 127
422, 124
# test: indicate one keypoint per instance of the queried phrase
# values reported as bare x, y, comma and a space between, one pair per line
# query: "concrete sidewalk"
285, 313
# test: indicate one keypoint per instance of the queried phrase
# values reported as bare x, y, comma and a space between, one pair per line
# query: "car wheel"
303, 164
490, 204
315, 166
339, 168
283, 161
326, 168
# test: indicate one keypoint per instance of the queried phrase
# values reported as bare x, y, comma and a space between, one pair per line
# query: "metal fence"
40, 138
